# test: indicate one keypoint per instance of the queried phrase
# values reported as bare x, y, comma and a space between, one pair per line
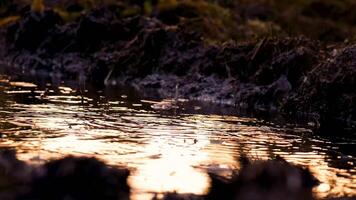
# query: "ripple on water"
162, 148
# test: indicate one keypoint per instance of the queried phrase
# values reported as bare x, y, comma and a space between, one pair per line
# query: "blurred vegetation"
37, 6
220, 20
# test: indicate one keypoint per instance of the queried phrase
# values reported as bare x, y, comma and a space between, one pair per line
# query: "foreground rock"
293, 76
15, 175
68, 178
80, 178
265, 180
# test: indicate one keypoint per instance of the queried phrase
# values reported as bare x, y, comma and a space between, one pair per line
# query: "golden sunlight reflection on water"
165, 152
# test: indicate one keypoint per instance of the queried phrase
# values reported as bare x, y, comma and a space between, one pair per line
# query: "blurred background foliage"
220, 20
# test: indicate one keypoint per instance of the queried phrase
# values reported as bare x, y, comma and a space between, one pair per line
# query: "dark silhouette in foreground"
265, 180
69, 178
81, 178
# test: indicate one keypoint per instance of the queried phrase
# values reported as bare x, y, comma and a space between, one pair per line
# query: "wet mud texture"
294, 76
81, 178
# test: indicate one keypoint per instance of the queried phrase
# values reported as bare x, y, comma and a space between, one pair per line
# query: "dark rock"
79, 179
76, 178
15, 175
273, 179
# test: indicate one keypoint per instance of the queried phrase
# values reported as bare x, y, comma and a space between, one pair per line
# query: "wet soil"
296, 76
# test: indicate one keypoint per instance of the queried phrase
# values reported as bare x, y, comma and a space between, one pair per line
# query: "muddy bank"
294, 76
88, 178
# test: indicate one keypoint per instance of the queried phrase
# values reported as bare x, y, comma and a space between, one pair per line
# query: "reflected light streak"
167, 153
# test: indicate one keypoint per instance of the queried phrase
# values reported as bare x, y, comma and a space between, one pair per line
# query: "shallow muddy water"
167, 150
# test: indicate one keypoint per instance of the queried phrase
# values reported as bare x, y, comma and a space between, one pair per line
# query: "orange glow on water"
165, 152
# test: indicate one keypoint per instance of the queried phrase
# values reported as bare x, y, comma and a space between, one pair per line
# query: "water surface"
167, 150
